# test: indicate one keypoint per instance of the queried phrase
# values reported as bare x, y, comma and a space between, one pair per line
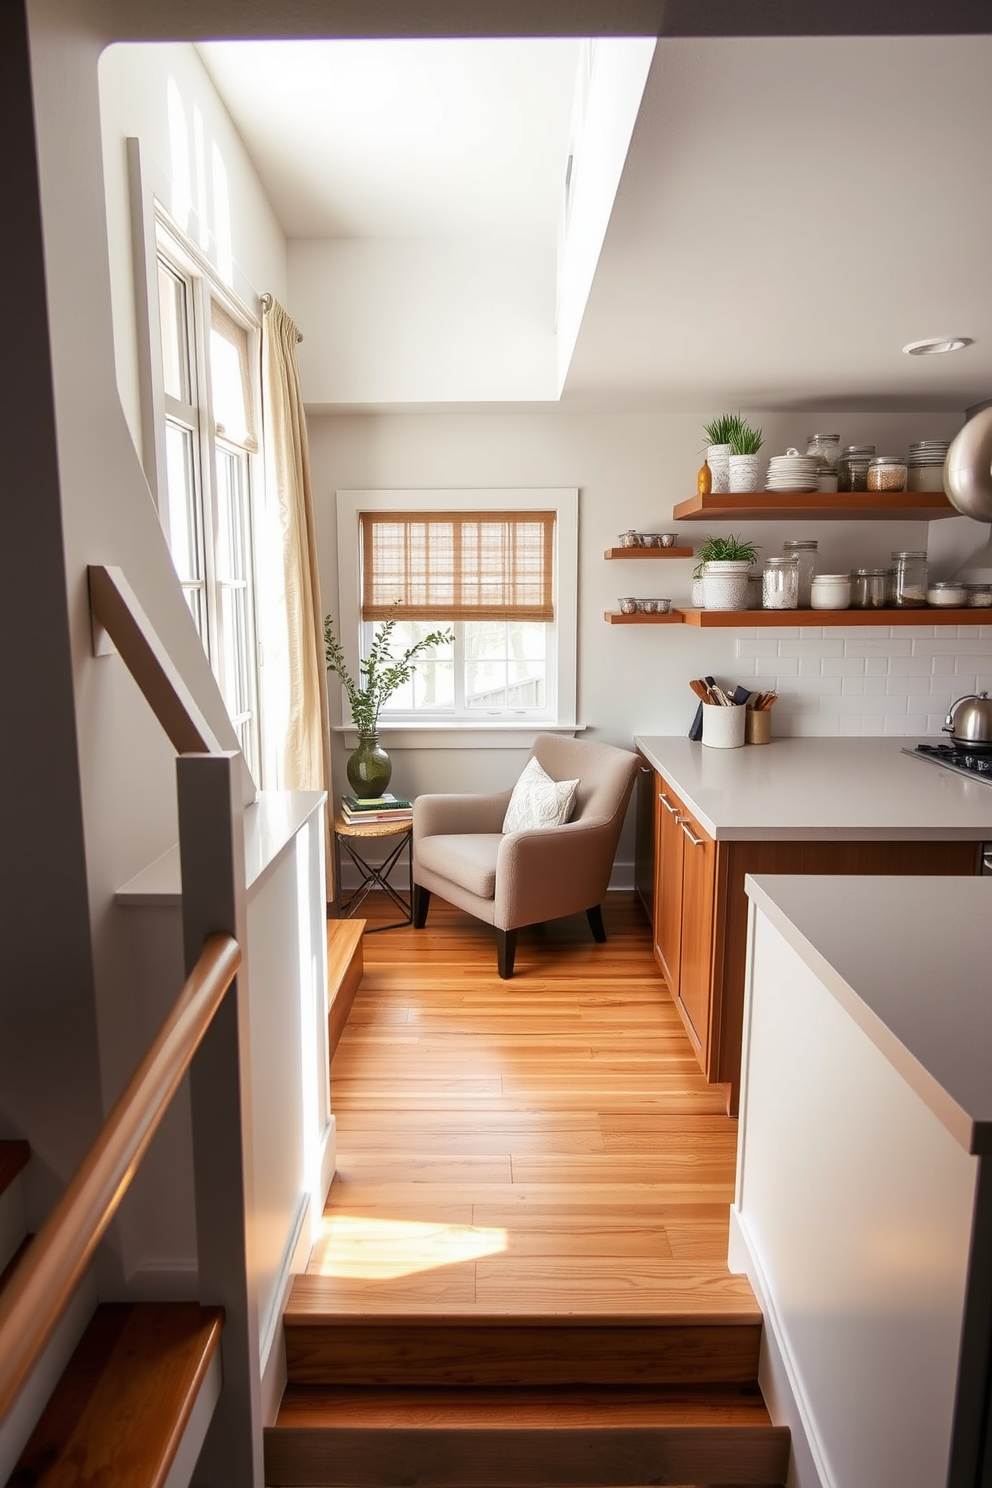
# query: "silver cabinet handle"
667, 804
696, 841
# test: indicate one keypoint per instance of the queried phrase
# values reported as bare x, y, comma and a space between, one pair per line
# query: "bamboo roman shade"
488, 565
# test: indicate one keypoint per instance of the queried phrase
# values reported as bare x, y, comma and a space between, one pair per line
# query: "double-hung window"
208, 357
498, 569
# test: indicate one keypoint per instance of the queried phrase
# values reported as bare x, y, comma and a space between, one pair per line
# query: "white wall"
631, 469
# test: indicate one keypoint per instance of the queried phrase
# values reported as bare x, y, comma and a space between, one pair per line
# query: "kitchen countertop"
821, 790
908, 959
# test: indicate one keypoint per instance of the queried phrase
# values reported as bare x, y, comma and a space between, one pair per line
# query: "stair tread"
118, 1413
344, 937
533, 1408
14, 1157
686, 1293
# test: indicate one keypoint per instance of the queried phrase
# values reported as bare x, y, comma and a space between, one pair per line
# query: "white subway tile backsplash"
844, 666
917, 632
962, 645
916, 723
907, 686
822, 646
874, 645
876, 666
758, 646
854, 686
784, 666
943, 666
910, 666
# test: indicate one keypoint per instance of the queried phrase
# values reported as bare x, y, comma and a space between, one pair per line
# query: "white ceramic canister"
718, 459
725, 585
723, 728
830, 592
744, 472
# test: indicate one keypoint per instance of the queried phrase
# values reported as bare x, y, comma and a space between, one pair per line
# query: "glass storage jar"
826, 448
780, 584
852, 468
831, 592
869, 589
887, 473
979, 596
947, 594
909, 580
803, 550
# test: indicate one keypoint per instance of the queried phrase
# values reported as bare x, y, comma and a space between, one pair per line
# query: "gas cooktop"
953, 757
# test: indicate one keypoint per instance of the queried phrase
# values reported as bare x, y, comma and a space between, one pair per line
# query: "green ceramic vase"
369, 768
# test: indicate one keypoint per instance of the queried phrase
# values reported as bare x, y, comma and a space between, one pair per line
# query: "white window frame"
204, 285
513, 730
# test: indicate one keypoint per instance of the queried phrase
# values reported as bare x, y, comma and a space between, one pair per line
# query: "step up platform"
486, 1438
345, 968
118, 1414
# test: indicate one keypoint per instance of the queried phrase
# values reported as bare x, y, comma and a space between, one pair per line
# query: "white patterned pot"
743, 472
698, 597
725, 585
718, 459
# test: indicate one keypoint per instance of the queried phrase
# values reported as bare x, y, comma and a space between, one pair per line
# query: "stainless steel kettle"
969, 722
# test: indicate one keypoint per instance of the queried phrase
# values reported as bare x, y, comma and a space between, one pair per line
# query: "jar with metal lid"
852, 467
947, 594
831, 592
869, 589
826, 448
887, 473
780, 584
803, 550
909, 580
979, 596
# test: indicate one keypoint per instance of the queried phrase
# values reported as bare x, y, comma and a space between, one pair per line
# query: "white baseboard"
777, 1375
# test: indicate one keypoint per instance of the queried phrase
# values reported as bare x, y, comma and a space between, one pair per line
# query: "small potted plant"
745, 442
719, 436
722, 565
369, 768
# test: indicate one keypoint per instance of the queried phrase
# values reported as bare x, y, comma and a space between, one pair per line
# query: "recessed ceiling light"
937, 344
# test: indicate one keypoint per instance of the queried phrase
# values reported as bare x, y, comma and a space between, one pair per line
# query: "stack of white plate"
792, 472
926, 465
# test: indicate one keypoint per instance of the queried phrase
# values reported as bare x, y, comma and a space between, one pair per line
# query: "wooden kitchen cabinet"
699, 920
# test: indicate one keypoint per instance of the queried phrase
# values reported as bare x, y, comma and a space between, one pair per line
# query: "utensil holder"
723, 728
758, 726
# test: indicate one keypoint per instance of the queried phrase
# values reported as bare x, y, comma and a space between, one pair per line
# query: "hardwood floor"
538, 1145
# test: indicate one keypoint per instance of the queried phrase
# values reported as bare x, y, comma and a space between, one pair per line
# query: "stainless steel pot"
969, 722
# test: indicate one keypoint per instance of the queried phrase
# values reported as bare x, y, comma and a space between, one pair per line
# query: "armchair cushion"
468, 858
539, 801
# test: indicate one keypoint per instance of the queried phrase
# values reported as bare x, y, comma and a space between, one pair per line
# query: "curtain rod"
265, 300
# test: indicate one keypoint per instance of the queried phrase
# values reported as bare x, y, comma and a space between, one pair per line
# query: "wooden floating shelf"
816, 506
613, 617
770, 619
727, 619
648, 553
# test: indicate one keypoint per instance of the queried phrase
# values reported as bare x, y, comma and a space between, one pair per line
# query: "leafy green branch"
380, 673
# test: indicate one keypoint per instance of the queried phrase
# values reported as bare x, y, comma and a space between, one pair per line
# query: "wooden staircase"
602, 1350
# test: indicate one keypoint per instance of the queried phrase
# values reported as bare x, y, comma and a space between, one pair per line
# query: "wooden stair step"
345, 968
486, 1438
117, 1415
14, 1157
464, 1346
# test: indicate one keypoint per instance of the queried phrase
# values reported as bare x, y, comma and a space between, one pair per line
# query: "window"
497, 567
208, 430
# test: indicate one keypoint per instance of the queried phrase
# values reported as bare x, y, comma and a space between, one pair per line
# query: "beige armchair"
524, 878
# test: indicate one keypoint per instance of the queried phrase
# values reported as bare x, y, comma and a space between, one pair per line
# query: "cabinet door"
698, 907
668, 883
645, 838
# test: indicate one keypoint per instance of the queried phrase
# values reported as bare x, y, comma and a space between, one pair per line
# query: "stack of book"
387, 808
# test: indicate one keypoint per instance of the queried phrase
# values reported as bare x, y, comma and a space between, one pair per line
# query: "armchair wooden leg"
421, 904
595, 918
506, 946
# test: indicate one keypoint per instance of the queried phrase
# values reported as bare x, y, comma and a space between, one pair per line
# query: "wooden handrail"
36, 1295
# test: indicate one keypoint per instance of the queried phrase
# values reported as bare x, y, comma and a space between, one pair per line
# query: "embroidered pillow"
539, 801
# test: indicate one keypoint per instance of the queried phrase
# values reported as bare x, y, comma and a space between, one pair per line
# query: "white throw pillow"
539, 801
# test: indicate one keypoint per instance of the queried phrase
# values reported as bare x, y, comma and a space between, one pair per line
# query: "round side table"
351, 835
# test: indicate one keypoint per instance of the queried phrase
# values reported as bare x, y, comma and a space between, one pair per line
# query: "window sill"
452, 735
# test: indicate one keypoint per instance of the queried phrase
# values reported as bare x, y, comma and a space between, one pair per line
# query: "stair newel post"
211, 844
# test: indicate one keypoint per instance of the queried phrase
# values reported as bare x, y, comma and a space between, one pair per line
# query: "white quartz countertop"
821, 790
909, 959
271, 824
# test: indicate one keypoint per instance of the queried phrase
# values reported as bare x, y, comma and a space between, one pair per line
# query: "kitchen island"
863, 1210
707, 817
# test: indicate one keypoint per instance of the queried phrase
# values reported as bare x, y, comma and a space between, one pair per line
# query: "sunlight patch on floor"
365, 1249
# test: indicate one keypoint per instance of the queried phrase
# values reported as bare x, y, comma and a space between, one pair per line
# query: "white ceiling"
792, 211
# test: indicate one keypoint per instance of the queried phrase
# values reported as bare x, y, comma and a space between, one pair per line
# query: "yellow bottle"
704, 480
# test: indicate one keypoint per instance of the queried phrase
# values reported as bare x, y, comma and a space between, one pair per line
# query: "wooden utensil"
700, 689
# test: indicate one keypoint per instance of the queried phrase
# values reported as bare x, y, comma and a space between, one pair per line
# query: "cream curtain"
307, 755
